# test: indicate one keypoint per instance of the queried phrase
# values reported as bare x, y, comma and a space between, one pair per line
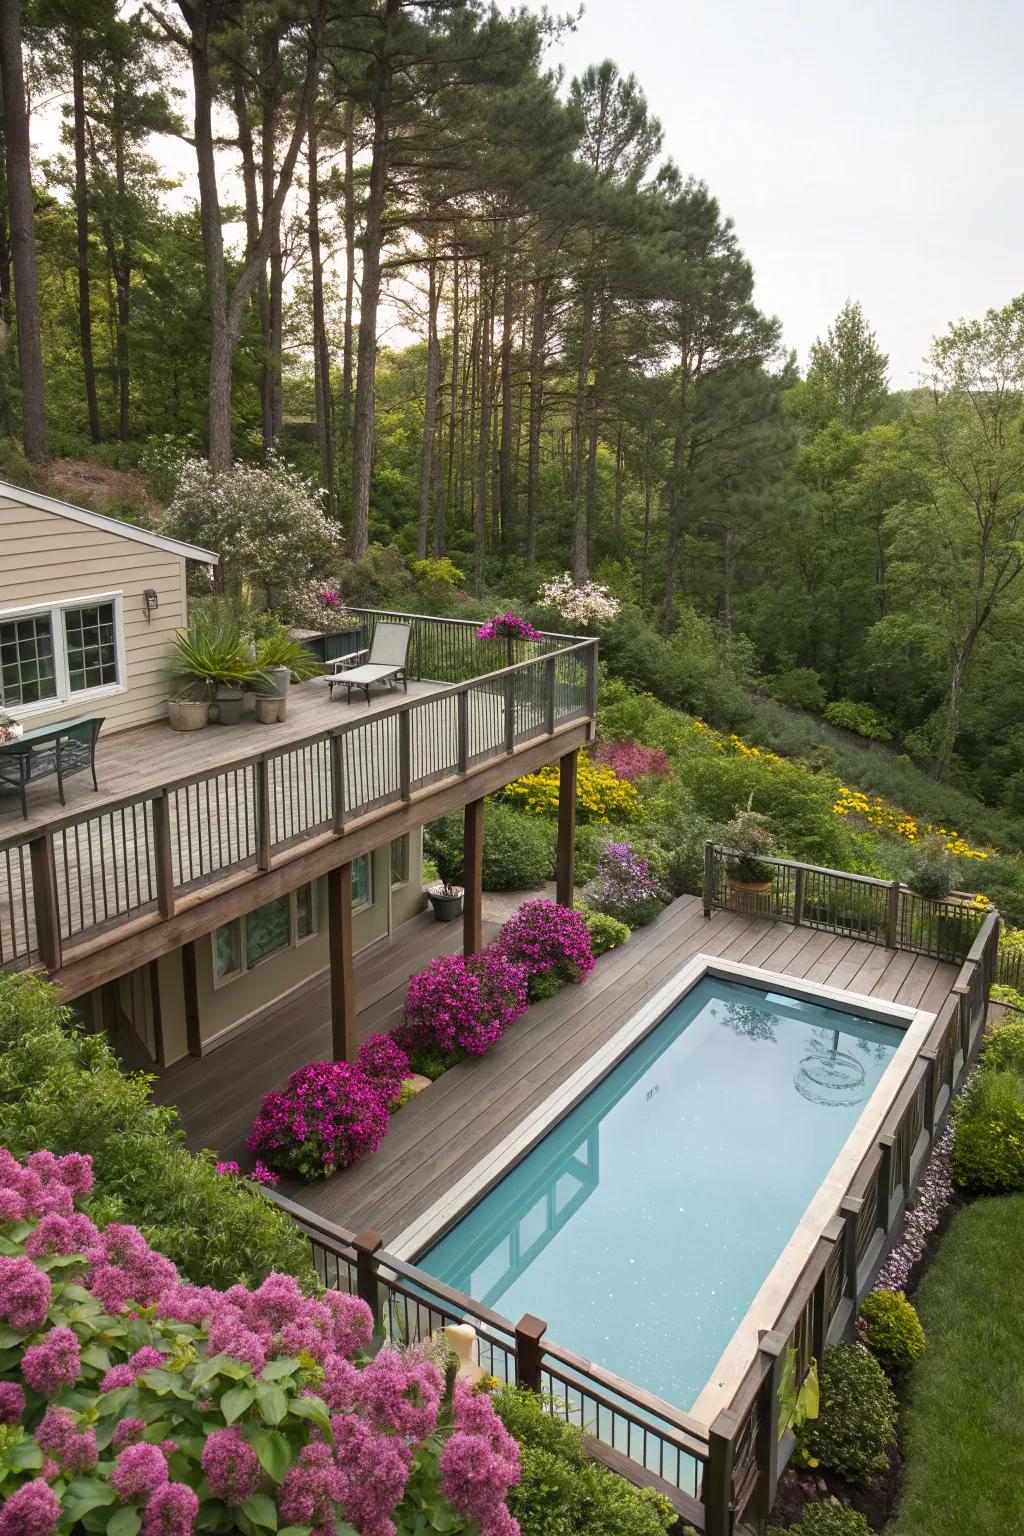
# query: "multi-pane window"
28, 671
280, 924
92, 653
53, 653
362, 881
400, 860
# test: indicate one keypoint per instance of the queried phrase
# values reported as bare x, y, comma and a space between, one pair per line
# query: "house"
214, 875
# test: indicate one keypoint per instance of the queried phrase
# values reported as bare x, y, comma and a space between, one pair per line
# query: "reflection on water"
830, 1076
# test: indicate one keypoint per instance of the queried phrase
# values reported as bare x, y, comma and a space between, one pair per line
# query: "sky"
864, 150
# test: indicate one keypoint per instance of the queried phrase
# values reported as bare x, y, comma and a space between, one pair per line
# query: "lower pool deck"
440, 1137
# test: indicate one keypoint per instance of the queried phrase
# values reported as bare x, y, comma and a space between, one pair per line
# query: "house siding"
49, 558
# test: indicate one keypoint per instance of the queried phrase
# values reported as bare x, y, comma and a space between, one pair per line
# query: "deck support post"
473, 877
339, 937
530, 1331
717, 1489
190, 991
565, 858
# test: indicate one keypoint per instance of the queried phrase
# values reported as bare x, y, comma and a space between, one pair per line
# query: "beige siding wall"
48, 558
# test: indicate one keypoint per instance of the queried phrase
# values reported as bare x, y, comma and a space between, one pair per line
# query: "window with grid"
92, 652
28, 672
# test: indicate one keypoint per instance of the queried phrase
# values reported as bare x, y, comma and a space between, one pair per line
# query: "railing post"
709, 878
44, 899
338, 780
849, 1209
405, 755
772, 1348
367, 1244
530, 1331
717, 1490
892, 916
463, 727
885, 1146
798, 897
592, 681
162, 854
929, 1092
549, 695
418, 649
510, 711
264, 838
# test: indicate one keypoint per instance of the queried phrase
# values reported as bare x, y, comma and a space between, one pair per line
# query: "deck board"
442, 1134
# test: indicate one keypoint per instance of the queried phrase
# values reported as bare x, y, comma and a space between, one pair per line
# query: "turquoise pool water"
644, 1224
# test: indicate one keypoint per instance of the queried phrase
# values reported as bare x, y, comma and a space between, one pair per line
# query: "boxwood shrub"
63, 1090
519, 848
856, 1426
892, 1329
825, 1520
606, 932
988, 1134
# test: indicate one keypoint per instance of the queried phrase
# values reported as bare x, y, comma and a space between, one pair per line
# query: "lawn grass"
964, 1439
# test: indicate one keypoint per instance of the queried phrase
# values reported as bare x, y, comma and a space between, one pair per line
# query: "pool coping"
771, 1298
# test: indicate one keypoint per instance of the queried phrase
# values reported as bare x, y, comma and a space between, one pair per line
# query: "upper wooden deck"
188, 830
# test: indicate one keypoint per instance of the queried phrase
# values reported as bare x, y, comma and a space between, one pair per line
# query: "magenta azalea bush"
632, 761
546, 939
463, 1005
624, 886
507, 626
134, 1403
328, 1115
383, 1061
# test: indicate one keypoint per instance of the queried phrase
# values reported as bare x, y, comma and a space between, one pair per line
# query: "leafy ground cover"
964, 1423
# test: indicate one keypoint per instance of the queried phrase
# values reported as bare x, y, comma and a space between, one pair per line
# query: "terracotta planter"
188, 714
749, 894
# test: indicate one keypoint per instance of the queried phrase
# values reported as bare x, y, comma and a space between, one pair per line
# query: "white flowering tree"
585, 607
265, 522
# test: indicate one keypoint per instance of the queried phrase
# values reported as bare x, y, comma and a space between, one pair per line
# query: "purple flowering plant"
625, 887
329, 1115
547, 940
132, 1401
507, 626
462, 1005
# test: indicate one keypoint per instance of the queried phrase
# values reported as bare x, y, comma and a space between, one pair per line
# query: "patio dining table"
67, 747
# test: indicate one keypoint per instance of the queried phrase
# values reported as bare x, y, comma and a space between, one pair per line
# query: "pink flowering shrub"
328, 1116
461, 1006
507, 626
547, 941
632, 761
134, 1402
384, 1063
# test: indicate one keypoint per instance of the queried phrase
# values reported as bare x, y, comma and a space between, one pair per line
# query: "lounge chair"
385, 662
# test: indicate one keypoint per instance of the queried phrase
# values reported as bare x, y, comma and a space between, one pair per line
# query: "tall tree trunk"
369, 292
728, 575
646, 548
429, 412
23, 244
82, 234
619, 464
483, 444
580, 542
272, 269
251, 194
505, 497
537, 344
321, 353
349, 219
122, 263
444, 505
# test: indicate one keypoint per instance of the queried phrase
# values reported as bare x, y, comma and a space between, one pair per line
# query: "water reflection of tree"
752, 1023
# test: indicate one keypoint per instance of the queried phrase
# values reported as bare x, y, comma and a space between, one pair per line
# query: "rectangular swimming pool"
643, 1225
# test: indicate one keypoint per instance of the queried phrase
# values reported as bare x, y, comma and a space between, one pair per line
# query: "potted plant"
280, 658
445, 895
10, 729
217, 663
189, 710
748, 843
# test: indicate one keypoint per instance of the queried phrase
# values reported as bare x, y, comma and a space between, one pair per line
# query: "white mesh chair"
385, 662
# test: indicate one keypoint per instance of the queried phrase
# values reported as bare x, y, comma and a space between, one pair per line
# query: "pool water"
643, 1225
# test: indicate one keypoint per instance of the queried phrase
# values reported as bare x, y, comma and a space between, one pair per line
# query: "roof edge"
113, 525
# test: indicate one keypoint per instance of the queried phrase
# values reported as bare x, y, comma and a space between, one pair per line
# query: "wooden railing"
86, 873
855, 906
726, 1474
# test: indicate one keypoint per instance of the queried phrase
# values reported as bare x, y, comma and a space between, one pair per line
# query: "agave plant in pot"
211, 664
281, 660
749, 843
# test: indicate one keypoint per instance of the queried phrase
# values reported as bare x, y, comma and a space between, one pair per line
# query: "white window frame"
363, 906
62, 673
294, 939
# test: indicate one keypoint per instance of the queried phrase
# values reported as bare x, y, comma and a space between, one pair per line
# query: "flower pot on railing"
446, 900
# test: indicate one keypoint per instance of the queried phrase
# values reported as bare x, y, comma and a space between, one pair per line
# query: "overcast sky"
867, 150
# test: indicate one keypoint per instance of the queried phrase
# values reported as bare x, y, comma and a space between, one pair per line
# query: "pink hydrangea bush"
632, 761
461, 1006
131, 1400
548, 941
329, 1115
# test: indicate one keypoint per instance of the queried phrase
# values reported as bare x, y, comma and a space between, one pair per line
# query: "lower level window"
362, 881
400, 860
242, 944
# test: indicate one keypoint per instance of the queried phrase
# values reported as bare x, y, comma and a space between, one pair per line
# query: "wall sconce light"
151, 601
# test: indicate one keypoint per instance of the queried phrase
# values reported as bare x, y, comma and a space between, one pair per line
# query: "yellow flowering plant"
875, 812
601, 796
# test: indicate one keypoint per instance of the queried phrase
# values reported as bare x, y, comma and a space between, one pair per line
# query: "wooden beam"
473, 877
199, 912
566, 852
339, 937
190, 988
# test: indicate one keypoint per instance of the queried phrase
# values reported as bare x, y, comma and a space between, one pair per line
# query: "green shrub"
932, 870
856, 1426
988, 1133
825, 1520
799, 687
546, 984
63, 1090
862, 719
1002, 1049
591, 841
430, 1062
892, 1329
605, 932
519, 848
562, 1492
